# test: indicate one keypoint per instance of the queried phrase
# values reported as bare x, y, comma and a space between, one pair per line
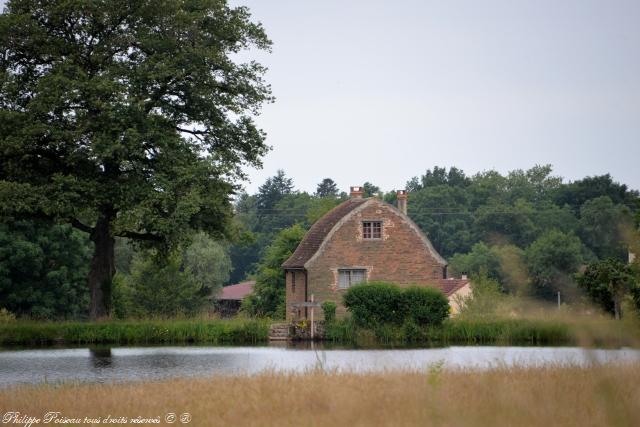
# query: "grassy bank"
234, 331
566, 331
596, 396
583, 332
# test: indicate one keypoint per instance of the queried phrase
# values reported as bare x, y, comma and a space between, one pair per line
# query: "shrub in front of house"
424, 306
377, 303
329, 310
374, 303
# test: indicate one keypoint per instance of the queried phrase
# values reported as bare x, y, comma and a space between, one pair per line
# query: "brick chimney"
357, 192
402, 200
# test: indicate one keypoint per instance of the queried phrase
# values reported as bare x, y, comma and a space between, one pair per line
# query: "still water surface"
152, 363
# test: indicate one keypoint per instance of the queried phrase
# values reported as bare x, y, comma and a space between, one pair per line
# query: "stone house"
360, 240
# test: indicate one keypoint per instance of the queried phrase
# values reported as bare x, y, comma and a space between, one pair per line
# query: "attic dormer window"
372, 229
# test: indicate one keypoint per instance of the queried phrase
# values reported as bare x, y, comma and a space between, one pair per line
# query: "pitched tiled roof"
237, 291
317, 233
450, 286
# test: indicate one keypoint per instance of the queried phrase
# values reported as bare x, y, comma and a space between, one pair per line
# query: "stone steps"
279, 332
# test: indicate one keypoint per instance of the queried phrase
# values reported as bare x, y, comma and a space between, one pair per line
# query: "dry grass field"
600, 396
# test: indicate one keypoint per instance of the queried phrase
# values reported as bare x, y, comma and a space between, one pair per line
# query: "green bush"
379, 303
424, 306
329, 309
374, 303
412, 332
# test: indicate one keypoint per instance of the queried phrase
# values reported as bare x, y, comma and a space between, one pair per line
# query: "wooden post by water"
312, 324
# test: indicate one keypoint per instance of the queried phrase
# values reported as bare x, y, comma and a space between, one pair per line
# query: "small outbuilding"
229, 299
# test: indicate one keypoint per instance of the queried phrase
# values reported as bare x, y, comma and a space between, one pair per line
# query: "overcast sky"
382, 90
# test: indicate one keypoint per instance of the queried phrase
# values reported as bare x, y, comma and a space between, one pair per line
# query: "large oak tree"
127, 118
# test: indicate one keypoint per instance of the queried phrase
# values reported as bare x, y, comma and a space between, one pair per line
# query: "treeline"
528, 230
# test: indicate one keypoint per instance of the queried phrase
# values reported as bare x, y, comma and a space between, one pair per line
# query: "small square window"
350, 277
372, 229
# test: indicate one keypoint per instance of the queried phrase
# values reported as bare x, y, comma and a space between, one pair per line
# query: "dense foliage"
43, 270
527, 229
276, 206
329, 311
379, 303
424, 306
127, 118
268, 297
608, 282
182, 283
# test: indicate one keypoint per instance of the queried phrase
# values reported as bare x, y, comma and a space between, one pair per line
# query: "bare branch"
140, 236
80, 226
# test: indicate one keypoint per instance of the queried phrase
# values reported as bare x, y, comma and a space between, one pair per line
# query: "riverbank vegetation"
169, 331
505, 396
556, 330
588, 331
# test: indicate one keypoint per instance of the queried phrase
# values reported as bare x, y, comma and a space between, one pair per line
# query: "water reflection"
102, 364
100, 357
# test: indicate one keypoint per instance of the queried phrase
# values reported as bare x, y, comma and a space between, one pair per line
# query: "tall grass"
233, 331
503, 331
554, 396
595, 332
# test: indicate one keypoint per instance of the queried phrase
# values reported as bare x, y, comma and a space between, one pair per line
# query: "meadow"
504, 396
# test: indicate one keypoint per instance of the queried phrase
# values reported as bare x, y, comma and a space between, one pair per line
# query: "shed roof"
451, 286
318, 232
237, 291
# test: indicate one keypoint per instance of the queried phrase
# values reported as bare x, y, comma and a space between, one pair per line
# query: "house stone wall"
294, 295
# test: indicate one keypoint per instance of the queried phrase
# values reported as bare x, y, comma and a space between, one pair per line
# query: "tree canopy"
608, 281
43, 270
327, 188
268, 297
127, 118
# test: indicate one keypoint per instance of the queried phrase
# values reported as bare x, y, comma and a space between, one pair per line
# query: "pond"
153, 363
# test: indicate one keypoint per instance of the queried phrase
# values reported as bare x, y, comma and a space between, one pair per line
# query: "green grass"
234, 331
489, 331
500, 331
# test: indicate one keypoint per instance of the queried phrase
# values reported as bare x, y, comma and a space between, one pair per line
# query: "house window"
372, 229
293, 282
350, 277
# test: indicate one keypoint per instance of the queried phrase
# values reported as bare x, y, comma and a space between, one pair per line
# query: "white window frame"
348, 277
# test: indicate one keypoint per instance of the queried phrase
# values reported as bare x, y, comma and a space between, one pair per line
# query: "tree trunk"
616, 306
102, 269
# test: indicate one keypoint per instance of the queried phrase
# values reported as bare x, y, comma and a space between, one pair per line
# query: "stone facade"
402, 254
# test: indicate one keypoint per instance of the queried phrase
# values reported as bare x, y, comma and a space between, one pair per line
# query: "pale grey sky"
382, 90
379, 91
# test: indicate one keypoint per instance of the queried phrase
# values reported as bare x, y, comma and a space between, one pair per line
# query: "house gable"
378, 205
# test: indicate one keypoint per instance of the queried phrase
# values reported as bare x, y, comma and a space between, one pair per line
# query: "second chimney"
402, 200
357, 192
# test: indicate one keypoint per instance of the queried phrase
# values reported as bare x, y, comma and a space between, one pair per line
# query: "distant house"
360, 240
230, 298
